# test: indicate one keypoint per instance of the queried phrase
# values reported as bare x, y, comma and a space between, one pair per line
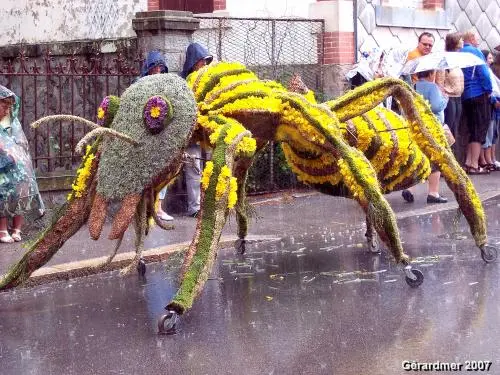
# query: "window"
195, 6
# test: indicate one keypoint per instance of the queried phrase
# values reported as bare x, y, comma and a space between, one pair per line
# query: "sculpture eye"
107, 110
158, 113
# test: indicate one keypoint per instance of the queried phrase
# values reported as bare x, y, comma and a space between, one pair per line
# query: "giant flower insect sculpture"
347, 147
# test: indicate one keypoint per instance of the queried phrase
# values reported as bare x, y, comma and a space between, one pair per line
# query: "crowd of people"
470, 94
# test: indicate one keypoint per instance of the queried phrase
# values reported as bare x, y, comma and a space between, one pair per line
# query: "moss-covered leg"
220, 195
371, 237
428, 133
242, 208
110, 258
313, 131
66, 222
140, 225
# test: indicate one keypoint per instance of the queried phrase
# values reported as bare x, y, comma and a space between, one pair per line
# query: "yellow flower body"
207, 173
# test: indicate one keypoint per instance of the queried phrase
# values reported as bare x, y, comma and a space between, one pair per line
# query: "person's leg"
192, 172
455, 120
450, 114
468, 155
467, 107
433, 188
4, 233
485, 156
494, 162
160, 212
475, 151
407, 194
17, 224
433, 184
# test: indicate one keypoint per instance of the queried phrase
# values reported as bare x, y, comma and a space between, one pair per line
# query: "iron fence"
59, 84
273, 48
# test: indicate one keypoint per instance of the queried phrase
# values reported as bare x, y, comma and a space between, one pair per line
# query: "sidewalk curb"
67, 271
453, 205
87, 267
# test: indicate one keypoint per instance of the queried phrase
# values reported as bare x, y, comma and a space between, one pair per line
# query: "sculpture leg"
220, 190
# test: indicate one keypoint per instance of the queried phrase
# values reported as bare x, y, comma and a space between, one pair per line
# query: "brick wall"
153, 4
219, 4
338, 47
433, 4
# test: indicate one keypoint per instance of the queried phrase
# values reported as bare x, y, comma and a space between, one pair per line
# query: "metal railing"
59, 84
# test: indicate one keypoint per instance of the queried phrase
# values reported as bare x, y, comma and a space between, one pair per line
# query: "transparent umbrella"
442, 61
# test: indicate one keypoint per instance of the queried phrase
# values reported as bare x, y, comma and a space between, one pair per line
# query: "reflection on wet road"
314, 303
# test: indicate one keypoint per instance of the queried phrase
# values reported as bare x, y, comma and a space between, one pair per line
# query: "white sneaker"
497, 163
164, 216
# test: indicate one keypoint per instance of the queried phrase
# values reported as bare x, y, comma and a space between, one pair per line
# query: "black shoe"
194, 214
408, 196
433, 199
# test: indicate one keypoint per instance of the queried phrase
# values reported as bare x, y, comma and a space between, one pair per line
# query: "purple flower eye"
157, 114
107, 110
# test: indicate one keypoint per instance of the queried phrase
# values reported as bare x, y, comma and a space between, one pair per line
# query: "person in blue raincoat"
19, 193
197, 57
156, 63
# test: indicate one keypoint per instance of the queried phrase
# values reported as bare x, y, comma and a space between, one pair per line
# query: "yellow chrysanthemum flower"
233, 192
222, 182
207, 173
155, 112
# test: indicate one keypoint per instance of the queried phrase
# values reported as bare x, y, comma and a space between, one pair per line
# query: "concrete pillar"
168, 31
338, 41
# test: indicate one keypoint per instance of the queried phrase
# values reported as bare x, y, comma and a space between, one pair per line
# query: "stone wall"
397, 25
39, 21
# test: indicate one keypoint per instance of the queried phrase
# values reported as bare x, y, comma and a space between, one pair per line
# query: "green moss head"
125, 168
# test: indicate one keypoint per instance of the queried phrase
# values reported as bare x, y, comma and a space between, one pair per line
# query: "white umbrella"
442, 61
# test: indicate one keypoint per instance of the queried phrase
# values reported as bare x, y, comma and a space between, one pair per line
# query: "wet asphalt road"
311, 303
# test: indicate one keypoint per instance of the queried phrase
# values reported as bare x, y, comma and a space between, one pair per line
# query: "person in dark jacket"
197, 57
155, 63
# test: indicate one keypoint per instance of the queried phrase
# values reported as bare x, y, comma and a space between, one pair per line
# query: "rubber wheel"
167, 323
141, 267
374, 246
418, 281
241, 246
489, 253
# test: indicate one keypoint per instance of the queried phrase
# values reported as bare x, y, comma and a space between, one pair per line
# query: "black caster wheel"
141, 267
373, 246
489, 253
167, 323
418, 281
241, 246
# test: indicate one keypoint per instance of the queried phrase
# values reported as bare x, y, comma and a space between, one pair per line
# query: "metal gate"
73, 85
